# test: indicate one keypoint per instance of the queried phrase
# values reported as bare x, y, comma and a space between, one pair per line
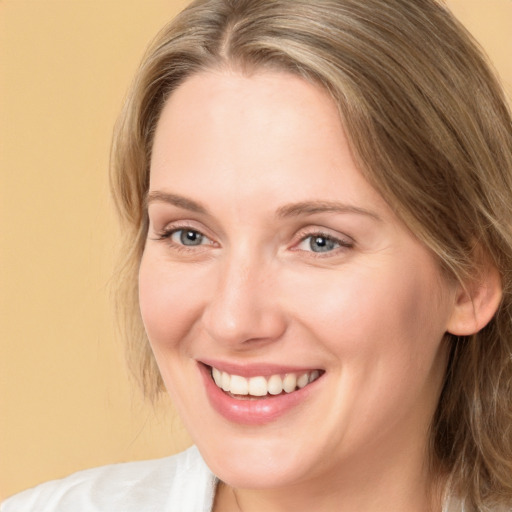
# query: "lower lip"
252, 411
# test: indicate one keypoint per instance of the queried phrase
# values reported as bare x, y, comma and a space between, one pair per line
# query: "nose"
244, 310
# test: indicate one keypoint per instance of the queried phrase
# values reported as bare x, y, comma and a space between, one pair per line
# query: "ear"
476, 303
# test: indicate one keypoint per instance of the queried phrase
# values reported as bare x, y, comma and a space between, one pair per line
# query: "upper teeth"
260, 386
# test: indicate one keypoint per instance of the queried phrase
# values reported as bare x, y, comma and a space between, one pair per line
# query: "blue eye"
321, 243
188, 237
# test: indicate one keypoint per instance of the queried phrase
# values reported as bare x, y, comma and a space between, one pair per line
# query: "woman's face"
271, 262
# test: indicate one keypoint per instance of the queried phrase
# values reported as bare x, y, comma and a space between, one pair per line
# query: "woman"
317, 201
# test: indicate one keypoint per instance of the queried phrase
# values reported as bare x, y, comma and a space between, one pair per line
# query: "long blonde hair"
430, 129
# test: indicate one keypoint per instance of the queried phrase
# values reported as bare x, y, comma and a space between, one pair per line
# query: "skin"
371, 311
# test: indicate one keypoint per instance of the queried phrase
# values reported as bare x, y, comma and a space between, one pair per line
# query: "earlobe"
476, 303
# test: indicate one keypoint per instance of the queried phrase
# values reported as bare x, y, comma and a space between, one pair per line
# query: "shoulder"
183, 481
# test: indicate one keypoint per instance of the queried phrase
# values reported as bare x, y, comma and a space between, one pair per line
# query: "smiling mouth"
259, 387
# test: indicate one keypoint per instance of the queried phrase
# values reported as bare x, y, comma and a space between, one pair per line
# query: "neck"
403, 486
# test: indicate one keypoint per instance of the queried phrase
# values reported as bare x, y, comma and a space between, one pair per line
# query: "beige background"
65, 400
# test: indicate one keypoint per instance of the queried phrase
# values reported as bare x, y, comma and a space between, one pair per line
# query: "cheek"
167, 301
385, 331
388, 311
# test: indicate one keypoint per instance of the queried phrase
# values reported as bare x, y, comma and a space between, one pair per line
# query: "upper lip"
256, 369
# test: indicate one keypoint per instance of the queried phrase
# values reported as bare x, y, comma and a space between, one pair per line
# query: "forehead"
270, 133
232, 110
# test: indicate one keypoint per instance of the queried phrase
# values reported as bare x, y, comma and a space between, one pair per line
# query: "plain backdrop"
66, 402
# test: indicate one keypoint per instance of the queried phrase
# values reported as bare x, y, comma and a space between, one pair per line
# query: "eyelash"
167, 233
343, 244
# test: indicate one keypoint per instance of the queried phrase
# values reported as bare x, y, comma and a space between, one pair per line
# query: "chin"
256, 464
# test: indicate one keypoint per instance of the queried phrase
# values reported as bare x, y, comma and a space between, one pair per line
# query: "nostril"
239, 324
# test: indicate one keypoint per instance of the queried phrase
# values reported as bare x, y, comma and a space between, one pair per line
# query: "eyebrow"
313, 207
158, 196
287, 210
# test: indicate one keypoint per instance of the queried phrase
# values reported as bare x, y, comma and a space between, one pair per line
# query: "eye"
321, 243
188, 237
185, 239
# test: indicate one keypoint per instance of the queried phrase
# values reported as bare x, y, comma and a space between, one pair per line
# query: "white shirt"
182, 483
